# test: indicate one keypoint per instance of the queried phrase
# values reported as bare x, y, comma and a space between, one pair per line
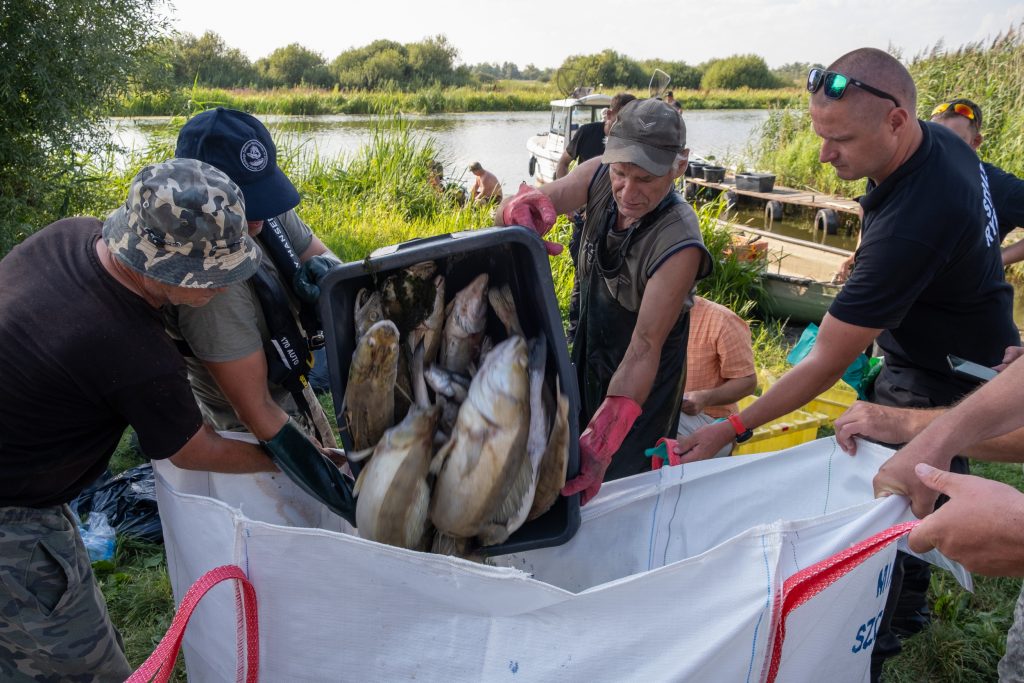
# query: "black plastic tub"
514, 255
714, 174
755, 182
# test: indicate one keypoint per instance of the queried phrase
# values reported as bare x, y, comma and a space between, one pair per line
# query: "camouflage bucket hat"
184, 225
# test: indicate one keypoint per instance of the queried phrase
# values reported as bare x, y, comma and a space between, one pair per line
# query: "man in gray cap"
85, 356
640, 254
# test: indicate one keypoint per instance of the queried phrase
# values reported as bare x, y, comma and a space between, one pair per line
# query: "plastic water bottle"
99, 537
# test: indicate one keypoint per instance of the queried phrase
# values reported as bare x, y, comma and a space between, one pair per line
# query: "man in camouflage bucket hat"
86, 356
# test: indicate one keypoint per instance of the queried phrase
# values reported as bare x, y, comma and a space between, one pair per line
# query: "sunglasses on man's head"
965, 110
834, 84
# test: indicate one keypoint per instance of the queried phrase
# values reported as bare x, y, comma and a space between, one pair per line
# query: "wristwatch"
742, 433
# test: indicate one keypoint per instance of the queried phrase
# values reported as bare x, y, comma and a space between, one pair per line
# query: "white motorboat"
567, 115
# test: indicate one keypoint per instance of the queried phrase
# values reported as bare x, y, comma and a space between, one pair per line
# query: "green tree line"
182, 60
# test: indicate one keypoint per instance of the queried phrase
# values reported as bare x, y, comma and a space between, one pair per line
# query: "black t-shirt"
587, 143
929, 270
82, 358
1007, 196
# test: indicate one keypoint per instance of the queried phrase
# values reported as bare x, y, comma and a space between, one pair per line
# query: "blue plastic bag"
99, 537
856, 375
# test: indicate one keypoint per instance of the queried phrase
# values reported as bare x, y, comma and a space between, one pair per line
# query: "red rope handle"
160, 664
809, 582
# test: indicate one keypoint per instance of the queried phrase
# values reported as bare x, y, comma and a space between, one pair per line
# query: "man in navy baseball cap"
238, 144
240, 378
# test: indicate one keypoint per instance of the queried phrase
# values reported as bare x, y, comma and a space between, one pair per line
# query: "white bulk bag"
675, 574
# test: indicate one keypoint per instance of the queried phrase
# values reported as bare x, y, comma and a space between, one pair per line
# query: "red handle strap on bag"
160, 664
807, 583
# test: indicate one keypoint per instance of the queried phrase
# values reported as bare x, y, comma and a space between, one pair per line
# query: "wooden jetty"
826, 220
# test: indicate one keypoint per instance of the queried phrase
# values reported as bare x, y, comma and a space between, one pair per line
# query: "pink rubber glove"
532, 209
598, 443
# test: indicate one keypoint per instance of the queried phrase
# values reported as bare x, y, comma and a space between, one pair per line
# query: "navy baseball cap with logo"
240, 146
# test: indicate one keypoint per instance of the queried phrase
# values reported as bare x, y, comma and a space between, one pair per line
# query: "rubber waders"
302, 461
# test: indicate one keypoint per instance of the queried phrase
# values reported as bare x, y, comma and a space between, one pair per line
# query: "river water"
496, 139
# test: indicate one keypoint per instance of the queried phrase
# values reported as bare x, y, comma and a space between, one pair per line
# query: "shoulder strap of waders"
278, 247
288, 356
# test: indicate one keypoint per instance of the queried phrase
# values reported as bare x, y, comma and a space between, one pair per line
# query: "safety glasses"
834, 84
961, 108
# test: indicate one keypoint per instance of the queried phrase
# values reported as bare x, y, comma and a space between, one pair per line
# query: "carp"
368, 310
370, 393
429, 329
408, 295
505, 308
464, 326
482, 461
553, 466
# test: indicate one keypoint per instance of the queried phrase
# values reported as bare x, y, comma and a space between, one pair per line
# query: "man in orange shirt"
719, 367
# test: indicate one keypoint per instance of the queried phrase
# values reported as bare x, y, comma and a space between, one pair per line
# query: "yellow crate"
792, 429
833, 402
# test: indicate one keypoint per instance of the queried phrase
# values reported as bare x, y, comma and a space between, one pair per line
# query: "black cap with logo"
240, 146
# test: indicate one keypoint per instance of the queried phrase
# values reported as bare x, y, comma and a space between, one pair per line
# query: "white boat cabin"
566, 117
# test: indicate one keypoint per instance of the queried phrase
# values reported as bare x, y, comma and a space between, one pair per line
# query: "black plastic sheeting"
128, 500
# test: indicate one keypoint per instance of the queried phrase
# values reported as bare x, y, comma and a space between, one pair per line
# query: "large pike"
370, 393
393, 489
480, 464
464, 328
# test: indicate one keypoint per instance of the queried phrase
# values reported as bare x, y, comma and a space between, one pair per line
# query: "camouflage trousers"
1011, 666
53, 621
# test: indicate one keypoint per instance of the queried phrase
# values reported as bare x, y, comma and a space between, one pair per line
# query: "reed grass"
502, 96
990, 74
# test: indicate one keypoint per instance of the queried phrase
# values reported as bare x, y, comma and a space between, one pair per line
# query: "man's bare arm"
244, 383
659, 311
211, 453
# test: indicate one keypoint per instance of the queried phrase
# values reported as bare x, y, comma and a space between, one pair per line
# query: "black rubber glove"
302, 461
308, 276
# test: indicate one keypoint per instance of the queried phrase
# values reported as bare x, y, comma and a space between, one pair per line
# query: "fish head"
378, 347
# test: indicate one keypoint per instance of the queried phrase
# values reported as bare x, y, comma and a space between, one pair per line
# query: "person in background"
640, 256
588, 141
963, 117
982, 524
928, 281
486, 188
85, 357
719, 367
234, 346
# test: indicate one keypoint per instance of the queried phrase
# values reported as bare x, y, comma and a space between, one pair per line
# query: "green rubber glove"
302, 461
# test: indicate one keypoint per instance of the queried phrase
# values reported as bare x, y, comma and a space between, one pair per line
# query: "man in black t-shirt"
929, 279
588, 142
963, 117
85, 355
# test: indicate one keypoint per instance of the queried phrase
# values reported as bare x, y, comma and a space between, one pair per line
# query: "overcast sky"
544, 33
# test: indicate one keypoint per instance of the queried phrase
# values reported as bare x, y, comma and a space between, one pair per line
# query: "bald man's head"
881, 70
866, 133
